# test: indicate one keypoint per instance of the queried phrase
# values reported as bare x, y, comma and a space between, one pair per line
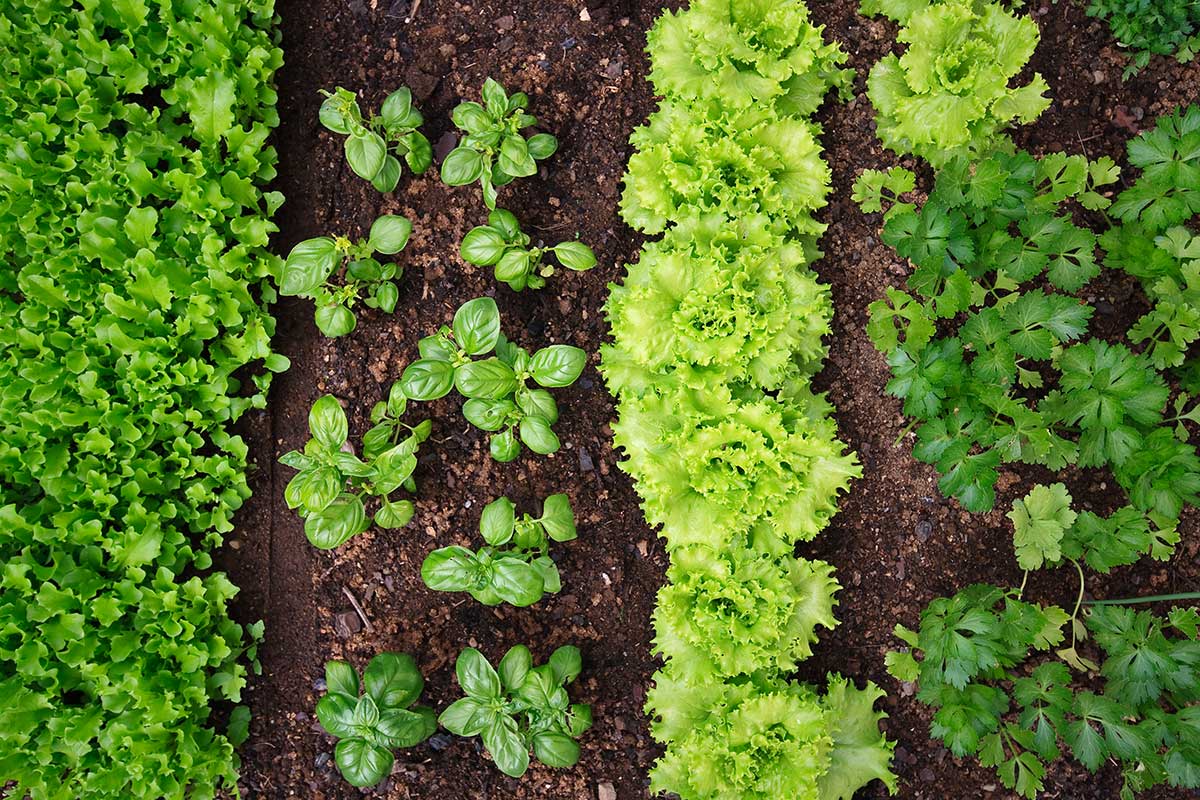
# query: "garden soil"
897, 543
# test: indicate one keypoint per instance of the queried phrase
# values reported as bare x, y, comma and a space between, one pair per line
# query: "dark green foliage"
370, 725
133, 332
515, 567
503, 245
1150, 27
368, 141
517, 707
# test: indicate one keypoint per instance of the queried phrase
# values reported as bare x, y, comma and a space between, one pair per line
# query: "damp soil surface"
897, 544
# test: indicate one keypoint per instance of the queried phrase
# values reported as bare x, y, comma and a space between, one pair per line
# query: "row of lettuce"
992, 351
133, 333
717, 331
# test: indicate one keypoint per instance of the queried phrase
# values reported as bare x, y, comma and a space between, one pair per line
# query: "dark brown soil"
897, 543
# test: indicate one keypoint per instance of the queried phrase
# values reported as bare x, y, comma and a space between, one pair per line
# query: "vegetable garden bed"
897, 542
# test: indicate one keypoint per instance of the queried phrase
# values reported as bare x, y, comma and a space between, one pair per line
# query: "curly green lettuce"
718, 300
692, 159
738, 53
949, 94
736, 612
702, 456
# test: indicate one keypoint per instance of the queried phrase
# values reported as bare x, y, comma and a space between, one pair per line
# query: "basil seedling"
499, 399
502, 244
332, 482
383, 718
493, 151
519, 707
311, 264
515, 567
368, 142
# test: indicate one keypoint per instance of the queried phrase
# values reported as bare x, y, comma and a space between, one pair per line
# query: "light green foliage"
493, 151
949, 94
717, 331
502, 244
312, 264
973, 650
333, 483
516, 707
368, 141
499, 399
370, 725
1149, 27
1039, 521
515, 567
133, 306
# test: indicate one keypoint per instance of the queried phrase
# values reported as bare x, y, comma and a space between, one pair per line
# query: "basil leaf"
538, 402
579, 719
575, 256
513, 265
308, 265
555, 749
495, 98
450, 569
551, 579
557, 365
476, 676
394, 515
337, 523
515, 158
471, 117
365, 269
334, 321
437, 348
393, 680
464, 717
365, 153
504, 447
558, 519
397, 109
567, 663
386, 296
420, 153
541, 145
506, 746
334, 112
341, 678
361, 763
405, 728
477, 325
335, 712
506, 223
388, 176
426, 379
397, 400
537, 435
488, 415
327, 422
482, 245
517, 582
515, 666
498, 521
462, 166
389, 234
489, 379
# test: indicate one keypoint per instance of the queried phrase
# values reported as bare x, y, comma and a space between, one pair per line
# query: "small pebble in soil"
346, 624
505, 23
321, 761
585, 461
605, 791
319, 685
440, 741
924, 529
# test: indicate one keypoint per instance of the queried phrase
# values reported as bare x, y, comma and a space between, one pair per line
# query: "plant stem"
1157, 598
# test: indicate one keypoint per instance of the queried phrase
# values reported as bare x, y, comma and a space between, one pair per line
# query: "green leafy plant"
135, 331
499, 399
949, 94
515, 567
1150, 27
716, 334
493, 150
370, 725
375, 147
332, 484
311, 265
516, 707
502, 244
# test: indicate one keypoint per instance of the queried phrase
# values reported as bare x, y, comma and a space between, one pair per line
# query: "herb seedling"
519, 707
499, 399
383, 718
368, 142
502, 244
515, 567
494, 151
332, 482
311, 264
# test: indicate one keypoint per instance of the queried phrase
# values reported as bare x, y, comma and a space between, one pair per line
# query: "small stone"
584, 15
569, 42
585, 461
506, 44
924, 529
440, 741
346, 624
321, 761
319, 685
605, 791
615, 69
927, 775
1097, 77
505, 24
444, 145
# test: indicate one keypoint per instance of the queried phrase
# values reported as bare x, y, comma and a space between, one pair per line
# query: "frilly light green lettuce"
949, 93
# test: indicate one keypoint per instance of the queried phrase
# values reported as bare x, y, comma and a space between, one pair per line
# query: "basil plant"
503, 245
515, 567
493, 150
310, 267
518, 707
375, 147
332, 485
499, 398
370, 725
